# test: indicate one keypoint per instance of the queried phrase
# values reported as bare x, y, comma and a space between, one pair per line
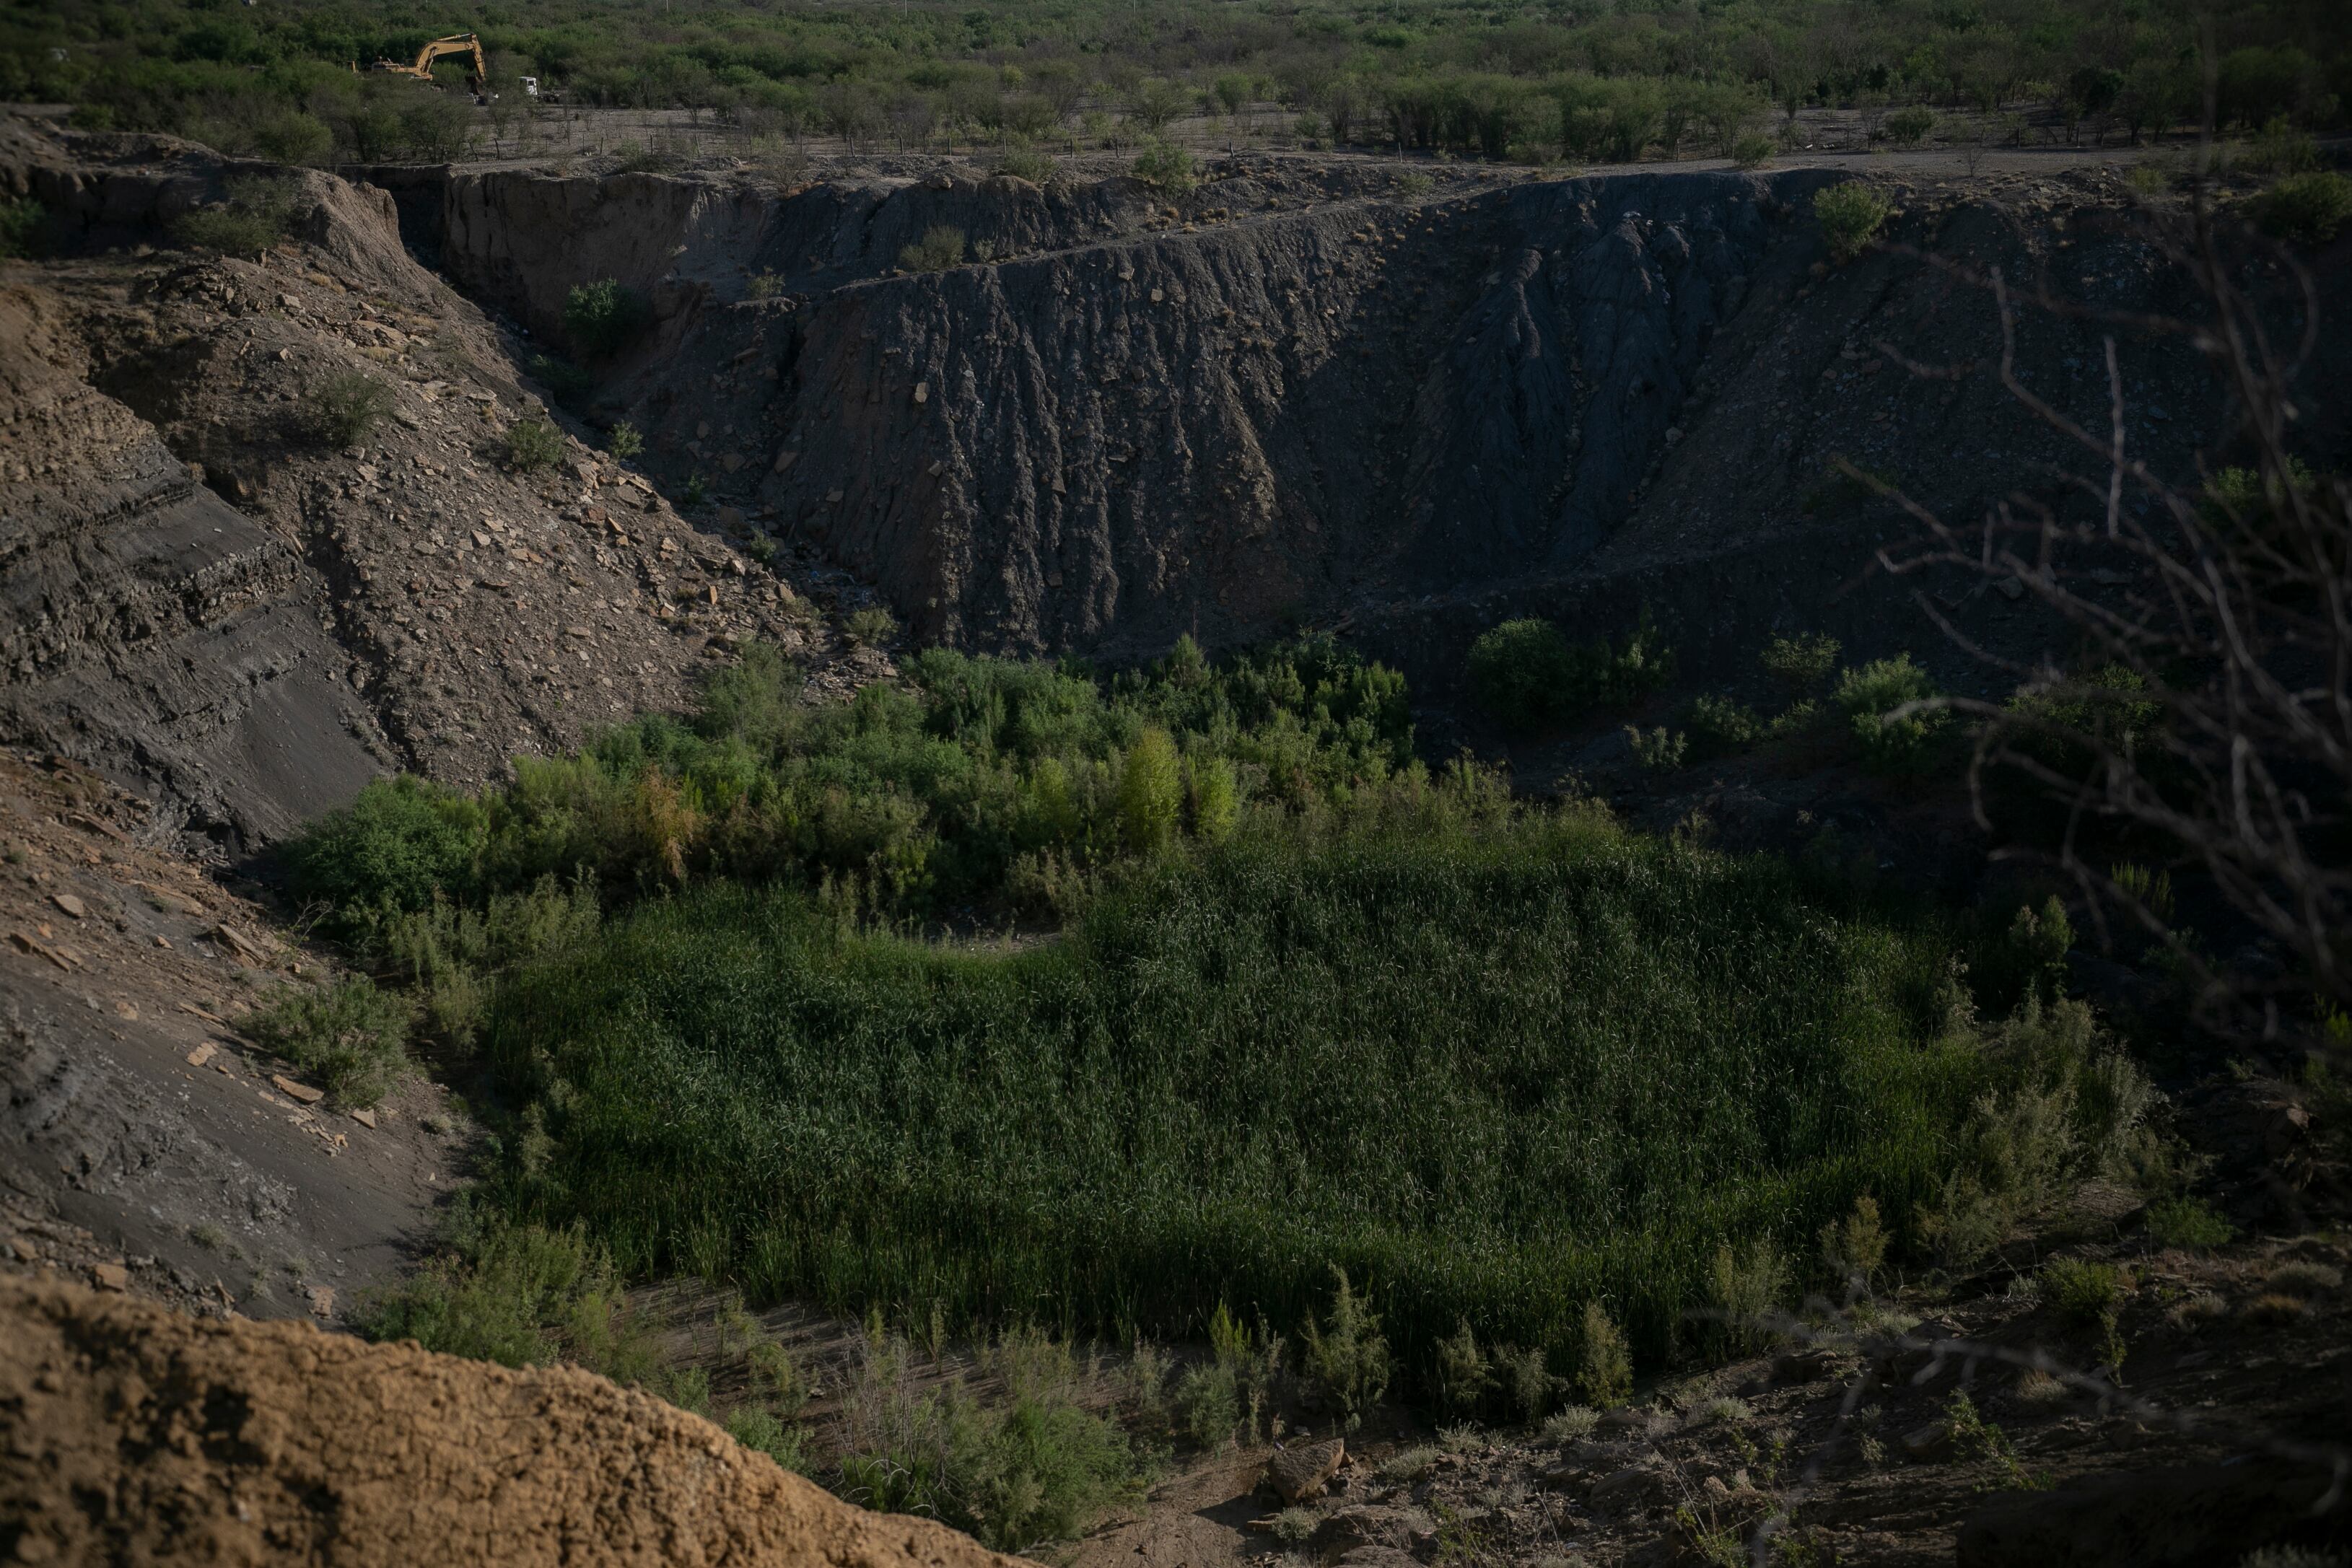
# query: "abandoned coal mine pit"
1271, 785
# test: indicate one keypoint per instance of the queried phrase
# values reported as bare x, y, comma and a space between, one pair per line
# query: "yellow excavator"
477, 81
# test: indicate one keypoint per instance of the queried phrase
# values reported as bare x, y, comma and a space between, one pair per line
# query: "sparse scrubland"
1525, 83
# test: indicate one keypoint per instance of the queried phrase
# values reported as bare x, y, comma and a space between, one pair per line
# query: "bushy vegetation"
941, 247
349, 1034
1851, 214
1527, 675
2309, 207
1018, 784
601, 318
533, 444
350, 406
1033, 1466
1476, 1102
518, 1295
251, 215
1517, 80
1884, 702
1167, 167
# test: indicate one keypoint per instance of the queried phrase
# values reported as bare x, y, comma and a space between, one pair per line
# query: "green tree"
1151, 791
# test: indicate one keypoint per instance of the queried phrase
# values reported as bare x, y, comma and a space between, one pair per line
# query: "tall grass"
1494, 1075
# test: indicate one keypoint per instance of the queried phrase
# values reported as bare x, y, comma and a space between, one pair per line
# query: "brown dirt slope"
134, 1433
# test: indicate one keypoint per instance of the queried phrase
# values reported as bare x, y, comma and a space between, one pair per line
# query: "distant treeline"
1612, 78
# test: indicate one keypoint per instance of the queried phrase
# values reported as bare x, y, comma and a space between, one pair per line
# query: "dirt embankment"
134, 1433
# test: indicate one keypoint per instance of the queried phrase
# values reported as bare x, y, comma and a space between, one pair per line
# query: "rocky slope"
1308, 395
212, 598
135, 1433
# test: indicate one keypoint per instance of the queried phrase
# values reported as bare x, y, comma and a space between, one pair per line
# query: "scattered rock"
202, 1054
1300, 1471
246, 946
70, 905
323, 1300
1929, 1444
110, 1276
293, 1091
364, 1118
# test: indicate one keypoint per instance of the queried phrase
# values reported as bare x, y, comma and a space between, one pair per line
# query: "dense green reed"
1495, 1073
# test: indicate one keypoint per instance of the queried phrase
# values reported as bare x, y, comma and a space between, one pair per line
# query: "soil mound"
134, 1433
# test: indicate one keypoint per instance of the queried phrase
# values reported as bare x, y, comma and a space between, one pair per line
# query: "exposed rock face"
1272, 401
137, 1433
1106, 445
150, 627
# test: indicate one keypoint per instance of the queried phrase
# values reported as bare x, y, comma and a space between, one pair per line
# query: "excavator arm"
467, 44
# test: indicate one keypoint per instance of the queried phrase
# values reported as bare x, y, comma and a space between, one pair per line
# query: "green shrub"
1604, 1375
872, 626
1408, 1465
1572, 1424
350, 1035
1346, 1354
1151, 792
1744, 1290
1517, 671
940, 247
1753, 150
533, 444
520, 1295
295, 137
1027, 163
2064, 1103
253, 215
601, 318
350, 406
764, 1432
2084, 1294
932, 790
1294, 1526
1167, 167
1036, 1466
1802, 663
24, 223
1854, 1249
1890, 740
1527, 674
623, 440
1909, 127
2188, 1223
765, 284
1719, 724
1851, 214
2307, 207
1657, 750
1221, 1400
1464, 1375
400, 842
